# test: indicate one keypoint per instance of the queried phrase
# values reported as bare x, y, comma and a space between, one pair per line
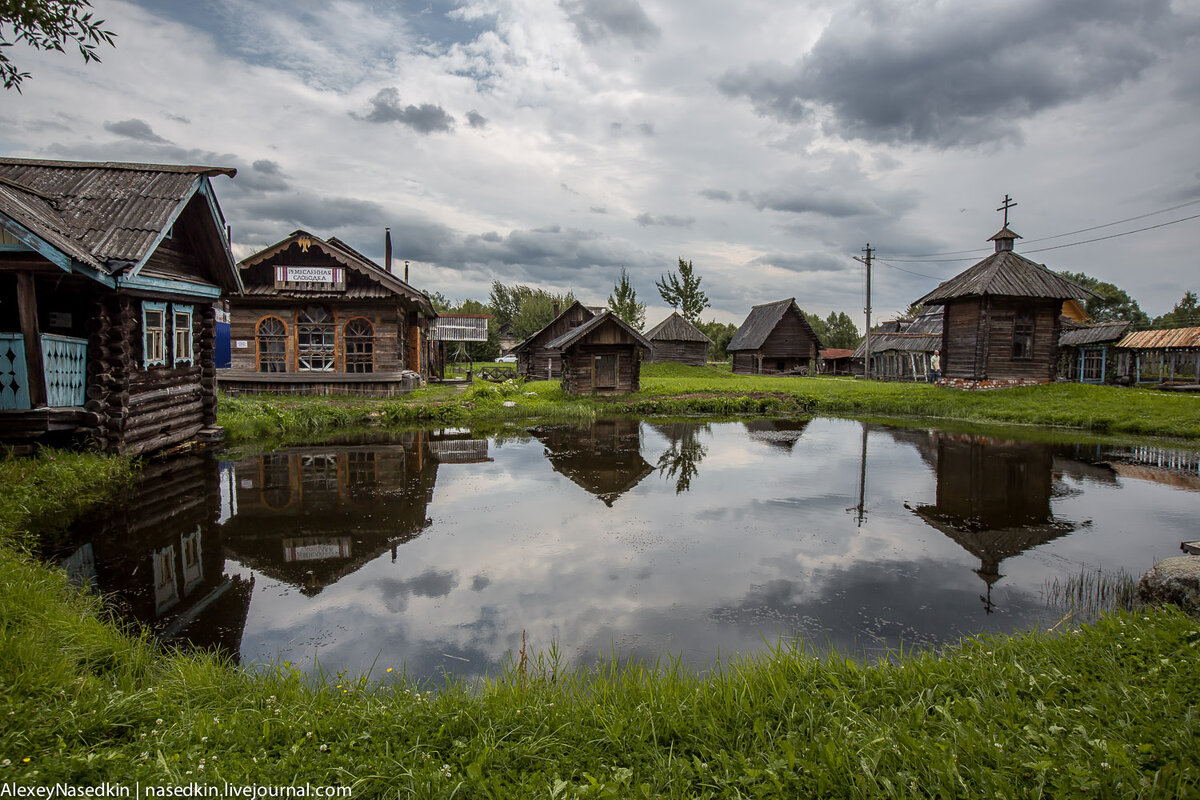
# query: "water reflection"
436, 550
993, 499
604, 459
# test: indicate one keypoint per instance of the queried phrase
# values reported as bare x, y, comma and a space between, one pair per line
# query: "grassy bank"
1107, 710
676, 390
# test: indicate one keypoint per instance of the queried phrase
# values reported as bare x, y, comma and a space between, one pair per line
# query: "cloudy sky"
553, 142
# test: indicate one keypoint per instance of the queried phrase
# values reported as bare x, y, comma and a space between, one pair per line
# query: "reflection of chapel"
318, 317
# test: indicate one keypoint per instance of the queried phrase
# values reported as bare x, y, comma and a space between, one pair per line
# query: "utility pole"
867, 339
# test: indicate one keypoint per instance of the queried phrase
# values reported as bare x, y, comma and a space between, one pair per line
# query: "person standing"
935, 366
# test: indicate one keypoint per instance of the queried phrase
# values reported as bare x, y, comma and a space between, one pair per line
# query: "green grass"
676, 390
1106, 710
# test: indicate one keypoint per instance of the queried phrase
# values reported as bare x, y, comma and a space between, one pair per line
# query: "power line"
1114, 236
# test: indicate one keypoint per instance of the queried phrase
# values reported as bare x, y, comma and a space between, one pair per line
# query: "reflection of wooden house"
602, 355
309, 516
779, 433
993, 499
1001, 319
1160, 356
159, 556
774, 338
1087, 354
901, 349
318, 317
536, 360
604, 459
108, 276
676, 339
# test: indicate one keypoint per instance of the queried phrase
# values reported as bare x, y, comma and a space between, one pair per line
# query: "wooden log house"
774, 338
676, 339
601, 356
108, 276
536, 360
1001, 319
319, 317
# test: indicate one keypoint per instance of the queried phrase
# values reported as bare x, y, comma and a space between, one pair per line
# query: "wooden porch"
369, 384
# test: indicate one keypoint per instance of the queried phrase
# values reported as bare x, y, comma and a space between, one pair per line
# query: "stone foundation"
984, 385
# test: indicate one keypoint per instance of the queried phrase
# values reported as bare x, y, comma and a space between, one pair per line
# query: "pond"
436, 551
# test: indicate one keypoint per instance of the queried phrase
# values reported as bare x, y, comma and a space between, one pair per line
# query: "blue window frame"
181, 325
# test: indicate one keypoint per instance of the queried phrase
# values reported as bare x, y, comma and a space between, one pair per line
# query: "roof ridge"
121, 165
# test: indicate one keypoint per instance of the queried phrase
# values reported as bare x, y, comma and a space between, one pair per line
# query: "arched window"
360, 345
316, 339
272, 345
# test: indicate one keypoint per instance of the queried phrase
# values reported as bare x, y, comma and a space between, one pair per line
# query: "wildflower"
998, 745
389, 669
446, 772
204, 738
5, 763
158, 721
308, 735
217, 720
1104, 764
324, 748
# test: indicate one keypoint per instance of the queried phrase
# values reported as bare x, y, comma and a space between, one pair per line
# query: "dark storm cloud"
666, 221
798, 201
431, 583
314, 212
806, 262
550, 254
263, 175
134, 129
426, 118
600, 20
959, 74
717, 194
646, 128
476, 120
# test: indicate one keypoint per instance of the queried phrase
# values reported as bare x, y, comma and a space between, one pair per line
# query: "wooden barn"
1000, 320
1160, 356
601, 356
775, 338
536, 359
1087, 353
319, 317
108, 276
676, 339
901, 349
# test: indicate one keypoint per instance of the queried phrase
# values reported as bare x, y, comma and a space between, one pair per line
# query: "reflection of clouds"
741, 559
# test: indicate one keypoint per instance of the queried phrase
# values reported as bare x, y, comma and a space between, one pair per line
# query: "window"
1023, 335
272, 345
315, 339
154, 331
181, 324
1093, 365
360, 346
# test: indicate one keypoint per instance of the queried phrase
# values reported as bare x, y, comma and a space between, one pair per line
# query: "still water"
435, 550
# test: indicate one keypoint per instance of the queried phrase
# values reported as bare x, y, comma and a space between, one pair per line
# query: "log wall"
977, 339
537, 362
579, 370
693, 353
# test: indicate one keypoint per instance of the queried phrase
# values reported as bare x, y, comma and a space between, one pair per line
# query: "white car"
507, 358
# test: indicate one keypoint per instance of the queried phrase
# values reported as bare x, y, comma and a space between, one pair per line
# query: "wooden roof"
1094, 334
901, 342
762, 321
676, 329
605, 317
109, 216
386, 284
1161, 339
1006, 274
532, 338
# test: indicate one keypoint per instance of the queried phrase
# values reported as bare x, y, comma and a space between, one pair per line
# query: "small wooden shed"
602, 356
1087, 353
676, 339
319, 317
108, 277
1001, 320
774, 338
536, 359
1160, 356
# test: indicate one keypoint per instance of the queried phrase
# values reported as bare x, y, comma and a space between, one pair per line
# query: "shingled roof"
575, 334
761, 321
676, 329
109, 216
1093, 334
1008, 274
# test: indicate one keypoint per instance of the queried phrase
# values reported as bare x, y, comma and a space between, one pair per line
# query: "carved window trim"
271, 345
154, 334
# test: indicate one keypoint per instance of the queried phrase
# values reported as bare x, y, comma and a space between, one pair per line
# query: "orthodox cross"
1008, 203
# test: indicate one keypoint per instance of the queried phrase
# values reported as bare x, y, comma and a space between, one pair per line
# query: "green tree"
47, 25
721, 334
820, 328
840, 331
913, 311
1185, 314
1111, 303
524, 309
681, 291
624, 303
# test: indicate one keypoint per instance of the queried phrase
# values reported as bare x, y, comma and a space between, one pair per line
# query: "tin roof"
575, 334
1093, 334
1006, 274
1161, 339
106, 215
761, 321
676, 329
835, 353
